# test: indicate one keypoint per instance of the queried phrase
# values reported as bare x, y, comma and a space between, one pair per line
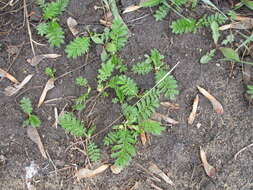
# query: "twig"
243, 149
28, 27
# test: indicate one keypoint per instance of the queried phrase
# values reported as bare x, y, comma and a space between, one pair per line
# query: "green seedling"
49, 71
26, 107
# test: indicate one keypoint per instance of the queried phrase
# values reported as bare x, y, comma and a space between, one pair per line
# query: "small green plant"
143, 68
80, 102
250, 90
93, 152
78, 47
26, 107
208, 56
50, 72
50, 28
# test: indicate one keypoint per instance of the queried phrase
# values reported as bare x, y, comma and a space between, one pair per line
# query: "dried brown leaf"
35, 137
72, 23
11, 90
5, 74
49, 85
216, 104
143, 138
244, 23
154, 169
38, 58
194, 110
159, 117
209, 169
170, 105
131, 8
86, 173
115, 169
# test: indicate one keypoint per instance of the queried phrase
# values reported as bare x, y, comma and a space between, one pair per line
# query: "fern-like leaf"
71, 124
157, 59
153, 127
93, 152
168, 86
118, 34
179, 2
55, 34
105, 71
78, 47
142, 68
207, 20
162, 11
150, 3
54, 9
123, 148
26, 105
184, 25
130, 113
124, 86
42, 28
147, 105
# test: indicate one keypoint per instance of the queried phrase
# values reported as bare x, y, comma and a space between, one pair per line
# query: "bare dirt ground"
176, 151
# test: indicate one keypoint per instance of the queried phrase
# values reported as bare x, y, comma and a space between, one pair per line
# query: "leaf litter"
215, 103
38, 58
209, 169
72, 23
87, 173
160, 117
11, 90
5, 74
49, 85
35, 137
192, 116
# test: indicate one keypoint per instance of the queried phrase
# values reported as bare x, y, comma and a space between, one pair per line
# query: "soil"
176, 151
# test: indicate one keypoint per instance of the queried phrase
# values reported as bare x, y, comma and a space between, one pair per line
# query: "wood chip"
87, 173
154, 169
143, 138
49, 85
5, 74
38, 58
159, 117
11, 90
209, 169
35, 137
72, 23
216, 104
131, 8
194, 110
115, 169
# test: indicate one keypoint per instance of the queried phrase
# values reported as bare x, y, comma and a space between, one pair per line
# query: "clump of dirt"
176, 151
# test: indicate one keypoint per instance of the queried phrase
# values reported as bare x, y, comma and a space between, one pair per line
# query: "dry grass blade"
143, 138
5, 74
210, 170
131, 8
216, 104
154, 169
194, 110
11, 90
49, 85
37, 59
72, 23
86, 173
160, 117
35, 137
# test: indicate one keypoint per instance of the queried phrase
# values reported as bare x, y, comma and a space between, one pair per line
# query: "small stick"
243, 149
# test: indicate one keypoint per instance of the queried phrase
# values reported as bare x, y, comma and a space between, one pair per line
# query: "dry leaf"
86, 173
35, 137
194, 110
155, 187
11, 90
56, 116
72, 23
170, 105
31, 171
115, 169
243, 24
159, 117
49, 86
143, 138
216, 104
154, 169
38, 58
210, 170
131, 8
5, 74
